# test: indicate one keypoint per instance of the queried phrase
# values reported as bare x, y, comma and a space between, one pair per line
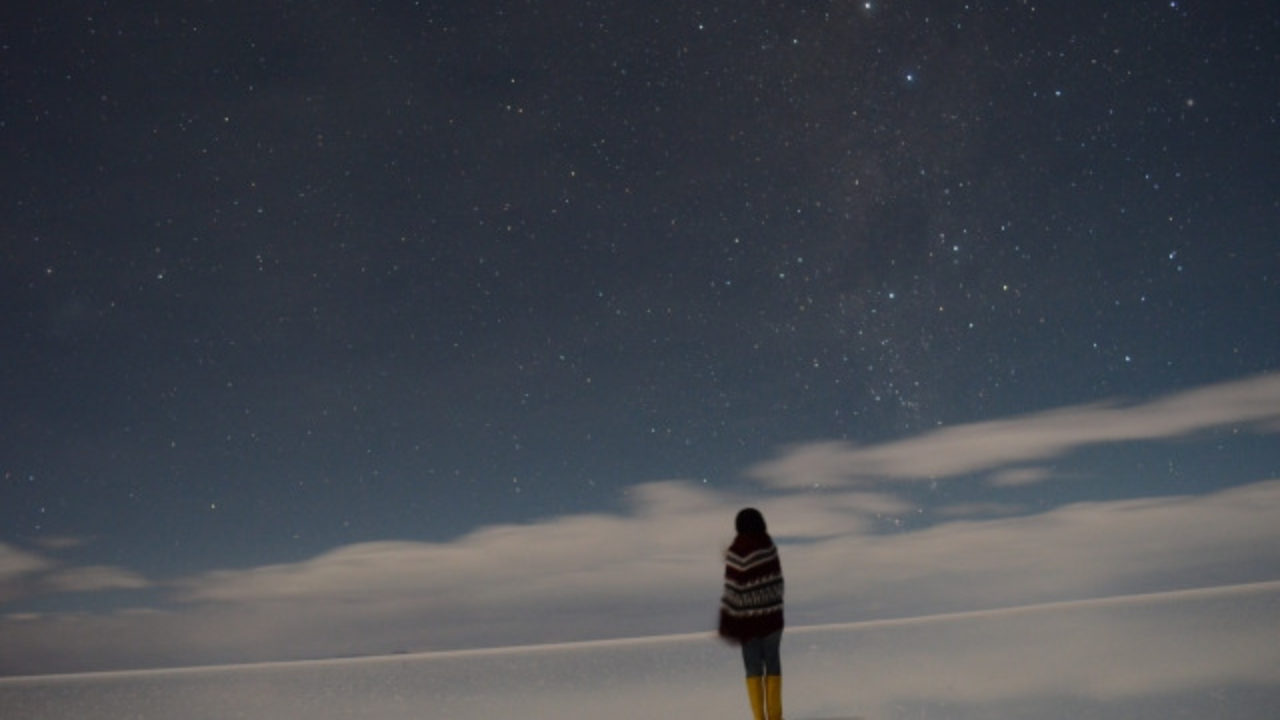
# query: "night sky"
279, 279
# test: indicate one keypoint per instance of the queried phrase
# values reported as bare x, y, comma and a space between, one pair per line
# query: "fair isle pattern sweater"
752, 602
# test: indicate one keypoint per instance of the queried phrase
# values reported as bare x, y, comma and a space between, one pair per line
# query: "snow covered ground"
1193, 654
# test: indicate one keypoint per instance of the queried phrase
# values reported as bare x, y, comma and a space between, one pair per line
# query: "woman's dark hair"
749, 522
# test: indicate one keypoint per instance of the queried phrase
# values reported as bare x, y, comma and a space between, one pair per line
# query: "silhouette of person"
751, 611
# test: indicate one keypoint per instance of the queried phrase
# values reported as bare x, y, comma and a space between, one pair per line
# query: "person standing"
751, 611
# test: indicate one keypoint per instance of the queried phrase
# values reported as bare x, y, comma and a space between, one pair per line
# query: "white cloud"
985, 446
1076, 551
91, 578
15, 562
655, 568
59, 542
1016, 477
978, 509
24, 573
554, 559
16, 568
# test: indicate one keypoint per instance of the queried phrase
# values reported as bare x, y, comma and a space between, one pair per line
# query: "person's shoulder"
746, 544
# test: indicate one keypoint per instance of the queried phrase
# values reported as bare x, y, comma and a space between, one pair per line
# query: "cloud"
24, 573
15, 562
91, 578
17, 567
654, 567
985, 446
1075, 551
668, 521
1016, 477
59, 542
976, 509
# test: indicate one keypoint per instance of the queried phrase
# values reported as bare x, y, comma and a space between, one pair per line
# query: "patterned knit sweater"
752, 602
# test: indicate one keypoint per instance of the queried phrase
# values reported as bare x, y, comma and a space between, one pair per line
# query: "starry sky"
284, 284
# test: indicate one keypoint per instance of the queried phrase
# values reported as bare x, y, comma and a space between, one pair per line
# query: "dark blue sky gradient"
278, 278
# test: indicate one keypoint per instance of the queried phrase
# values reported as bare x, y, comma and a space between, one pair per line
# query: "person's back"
751, 610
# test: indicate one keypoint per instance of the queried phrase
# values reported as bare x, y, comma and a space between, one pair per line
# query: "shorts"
761, 655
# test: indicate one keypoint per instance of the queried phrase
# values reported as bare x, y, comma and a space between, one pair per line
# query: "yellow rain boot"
773, 696
755, 693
